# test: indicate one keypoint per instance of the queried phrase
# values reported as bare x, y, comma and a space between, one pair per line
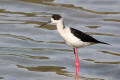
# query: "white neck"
60, 25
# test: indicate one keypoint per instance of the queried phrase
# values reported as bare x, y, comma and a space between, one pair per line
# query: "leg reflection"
77, 76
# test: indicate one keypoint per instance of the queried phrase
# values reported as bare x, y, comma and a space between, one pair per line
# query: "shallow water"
31, 52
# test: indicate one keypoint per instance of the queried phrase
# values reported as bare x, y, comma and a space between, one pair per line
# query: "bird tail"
104, 43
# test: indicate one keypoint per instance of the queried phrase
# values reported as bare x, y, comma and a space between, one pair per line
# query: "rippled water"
31, 52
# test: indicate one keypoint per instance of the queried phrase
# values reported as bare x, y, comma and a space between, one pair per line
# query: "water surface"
31, 52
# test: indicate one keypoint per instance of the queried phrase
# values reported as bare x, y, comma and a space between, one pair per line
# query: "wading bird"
72, 37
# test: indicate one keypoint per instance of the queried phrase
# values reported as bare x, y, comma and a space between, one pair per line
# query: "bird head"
55, 18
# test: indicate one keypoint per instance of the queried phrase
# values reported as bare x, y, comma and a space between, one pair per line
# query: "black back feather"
84, 37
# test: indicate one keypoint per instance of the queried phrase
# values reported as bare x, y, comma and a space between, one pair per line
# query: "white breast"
71, 40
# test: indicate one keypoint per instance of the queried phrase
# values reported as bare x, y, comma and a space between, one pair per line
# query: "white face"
54, 21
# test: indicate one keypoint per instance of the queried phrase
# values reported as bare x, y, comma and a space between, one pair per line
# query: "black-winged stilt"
72, 37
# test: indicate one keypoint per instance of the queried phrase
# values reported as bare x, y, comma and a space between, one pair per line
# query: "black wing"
84, 37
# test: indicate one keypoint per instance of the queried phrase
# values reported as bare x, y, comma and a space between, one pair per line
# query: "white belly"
73, 41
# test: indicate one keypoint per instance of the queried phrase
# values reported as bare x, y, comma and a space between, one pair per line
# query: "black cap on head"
56, 16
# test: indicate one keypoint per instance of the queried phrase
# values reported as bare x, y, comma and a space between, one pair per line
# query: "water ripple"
113, 20
20, 37
104, 62
59, 70
28, 56
111, 53
70, 6
103, 34
20, 13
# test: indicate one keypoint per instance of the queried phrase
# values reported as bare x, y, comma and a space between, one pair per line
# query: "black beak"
45, 23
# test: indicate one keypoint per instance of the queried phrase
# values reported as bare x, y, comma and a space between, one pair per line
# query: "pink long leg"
77, 62
76, 59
